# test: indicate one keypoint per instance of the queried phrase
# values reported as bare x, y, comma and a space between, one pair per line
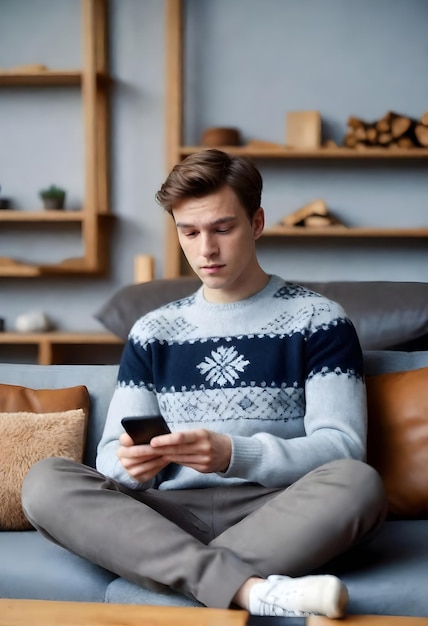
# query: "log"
355, 122
401, 125
421, 133
384, 138
405, 142
350, 140
384, 124
424, 118
361, 145
372, 134
360, 133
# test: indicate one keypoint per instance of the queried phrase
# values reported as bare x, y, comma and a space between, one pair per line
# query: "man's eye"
222, 231
190, 233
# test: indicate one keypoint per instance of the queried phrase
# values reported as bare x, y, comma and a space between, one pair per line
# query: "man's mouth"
211, 269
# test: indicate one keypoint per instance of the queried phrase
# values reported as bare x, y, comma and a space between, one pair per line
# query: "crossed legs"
211, 544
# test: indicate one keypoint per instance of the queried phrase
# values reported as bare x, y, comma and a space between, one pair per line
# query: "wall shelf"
321, 154
93, 81
51, 344
344, 232
41, 216
174, 264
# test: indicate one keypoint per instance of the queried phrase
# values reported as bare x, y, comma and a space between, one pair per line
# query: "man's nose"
208, 245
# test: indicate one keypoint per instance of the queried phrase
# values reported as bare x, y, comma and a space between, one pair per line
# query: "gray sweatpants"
207, 542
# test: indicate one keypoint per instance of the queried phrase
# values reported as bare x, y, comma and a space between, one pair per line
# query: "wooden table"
48, 613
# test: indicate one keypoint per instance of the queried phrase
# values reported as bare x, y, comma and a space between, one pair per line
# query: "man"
262, 478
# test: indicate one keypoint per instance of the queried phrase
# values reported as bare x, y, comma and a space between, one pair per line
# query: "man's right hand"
141, 462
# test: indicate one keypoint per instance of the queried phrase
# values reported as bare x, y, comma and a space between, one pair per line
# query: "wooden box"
303, 129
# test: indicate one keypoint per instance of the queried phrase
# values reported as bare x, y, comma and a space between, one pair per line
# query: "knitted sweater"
279, 372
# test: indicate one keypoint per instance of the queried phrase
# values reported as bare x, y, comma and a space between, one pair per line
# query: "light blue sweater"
281, 373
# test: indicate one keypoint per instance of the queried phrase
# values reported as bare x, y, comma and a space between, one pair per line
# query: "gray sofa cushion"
121, 591
383, 361
32, 567
388, 576
386, 315
129, 303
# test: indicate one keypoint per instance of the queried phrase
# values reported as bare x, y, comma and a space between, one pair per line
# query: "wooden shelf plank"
11, 78
48, 78
344, 232
321, 154
41, 216
51, 344
10, 268
60, 337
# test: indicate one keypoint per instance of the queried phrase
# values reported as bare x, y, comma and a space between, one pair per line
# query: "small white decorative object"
33, 322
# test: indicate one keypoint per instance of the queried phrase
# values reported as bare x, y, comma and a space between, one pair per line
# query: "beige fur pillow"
25, 439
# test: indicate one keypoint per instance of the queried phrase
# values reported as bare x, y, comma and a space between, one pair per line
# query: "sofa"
386, 576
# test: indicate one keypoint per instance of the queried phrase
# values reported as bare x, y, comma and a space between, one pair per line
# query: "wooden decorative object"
303, 129
212, 137
316, 207
315, 214
144, 268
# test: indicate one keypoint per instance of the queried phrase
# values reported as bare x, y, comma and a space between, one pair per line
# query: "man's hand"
141, 462
203, 450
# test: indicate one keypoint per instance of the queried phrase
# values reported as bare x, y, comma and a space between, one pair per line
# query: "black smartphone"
142, 429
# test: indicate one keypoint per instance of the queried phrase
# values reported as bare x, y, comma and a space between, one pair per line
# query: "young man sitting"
262, 479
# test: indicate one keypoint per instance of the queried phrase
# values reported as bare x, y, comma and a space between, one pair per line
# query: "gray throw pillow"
386, 315
131, 302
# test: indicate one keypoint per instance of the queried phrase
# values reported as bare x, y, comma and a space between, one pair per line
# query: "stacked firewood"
392, 131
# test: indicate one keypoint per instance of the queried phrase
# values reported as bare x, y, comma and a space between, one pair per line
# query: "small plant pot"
4, 204
53, 204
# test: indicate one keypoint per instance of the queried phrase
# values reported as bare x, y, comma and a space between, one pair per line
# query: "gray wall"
248, 63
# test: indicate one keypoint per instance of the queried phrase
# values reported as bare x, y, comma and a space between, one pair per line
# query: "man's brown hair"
206, 172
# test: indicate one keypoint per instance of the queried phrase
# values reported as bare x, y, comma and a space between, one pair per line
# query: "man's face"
218, 241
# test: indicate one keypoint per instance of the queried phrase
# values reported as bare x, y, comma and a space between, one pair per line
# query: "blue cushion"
383, 361
33, 567
121, 591
389, 575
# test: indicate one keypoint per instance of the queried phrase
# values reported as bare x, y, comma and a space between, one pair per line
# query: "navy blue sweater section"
263, 360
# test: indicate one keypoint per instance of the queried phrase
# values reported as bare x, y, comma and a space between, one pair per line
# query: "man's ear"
258, 222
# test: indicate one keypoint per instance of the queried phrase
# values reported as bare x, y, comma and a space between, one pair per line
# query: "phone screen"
142, 429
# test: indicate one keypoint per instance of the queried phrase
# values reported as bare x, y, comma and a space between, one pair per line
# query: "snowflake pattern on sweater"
280, 373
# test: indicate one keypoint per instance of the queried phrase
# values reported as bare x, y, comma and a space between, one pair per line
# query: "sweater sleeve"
133, 395
335, 419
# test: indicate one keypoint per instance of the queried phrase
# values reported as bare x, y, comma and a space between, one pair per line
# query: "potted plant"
53, 197
4, 202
